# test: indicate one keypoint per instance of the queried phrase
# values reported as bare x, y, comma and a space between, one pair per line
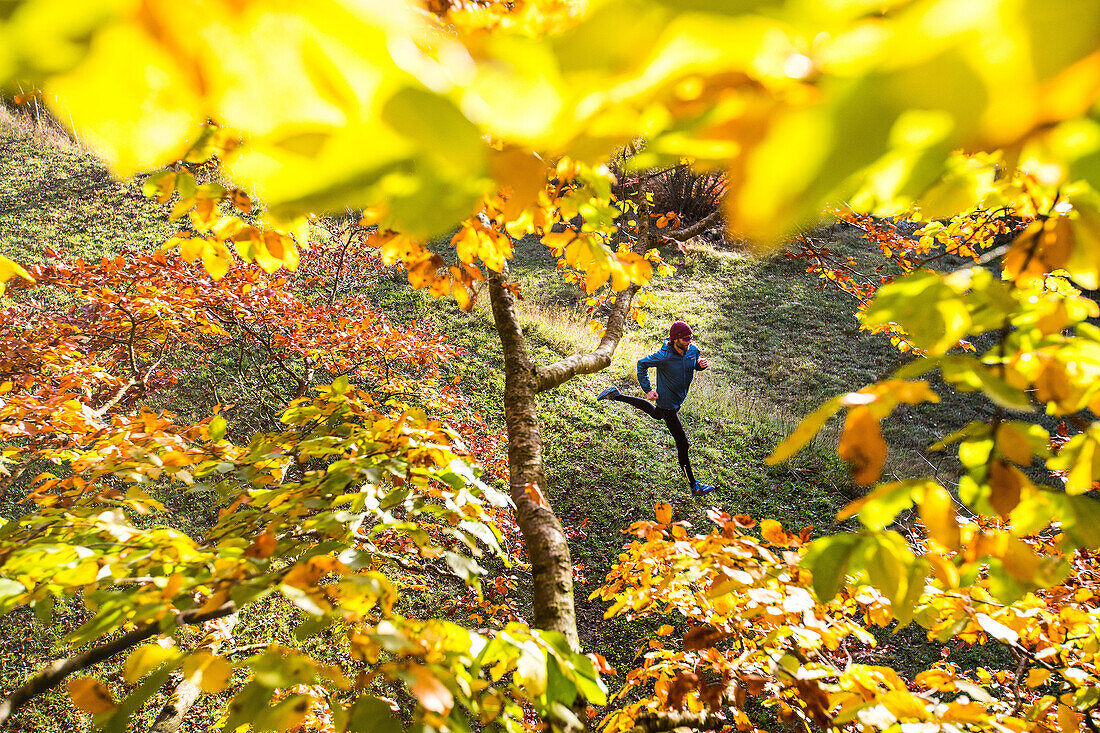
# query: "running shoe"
608, 393
698, 489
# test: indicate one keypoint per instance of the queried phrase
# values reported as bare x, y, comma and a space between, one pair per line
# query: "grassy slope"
778, 347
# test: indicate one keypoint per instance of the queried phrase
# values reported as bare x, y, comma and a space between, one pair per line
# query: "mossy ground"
778, 347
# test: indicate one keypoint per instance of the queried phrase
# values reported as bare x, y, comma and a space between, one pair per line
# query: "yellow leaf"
521, 176
215, 258
1037, 677
205, 214
1020, 560
664, 512
905, 705
1084, 263
936, 679
636, 267
422, 274
90, 695
862, 445
463, 296
208, 671
560, 239
10, 269
806, 430
664, 630
1013, 444
151, 110
937, 511
1068, 719
144, 659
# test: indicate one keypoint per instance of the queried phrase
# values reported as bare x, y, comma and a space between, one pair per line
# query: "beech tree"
496, 117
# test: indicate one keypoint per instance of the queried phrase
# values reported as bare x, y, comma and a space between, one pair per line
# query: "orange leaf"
1006, 482
262, 547
664, 512
534, 493
431, 693
773, 532
862, 445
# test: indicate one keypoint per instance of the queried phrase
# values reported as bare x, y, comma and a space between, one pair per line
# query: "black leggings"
672, 420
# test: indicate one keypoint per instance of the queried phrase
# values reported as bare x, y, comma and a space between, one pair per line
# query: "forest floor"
778, 347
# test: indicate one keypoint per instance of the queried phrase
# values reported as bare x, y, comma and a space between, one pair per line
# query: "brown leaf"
754, 683
815, 700
712, 695
262, 547
684, 683
702, 637
1005, 483
744, 521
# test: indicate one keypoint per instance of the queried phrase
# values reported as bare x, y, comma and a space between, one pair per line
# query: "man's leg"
672, 420
642, 404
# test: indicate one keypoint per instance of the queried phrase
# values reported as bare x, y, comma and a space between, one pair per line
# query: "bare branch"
682, 235
666, 721
57, 671
600, 358
187, 692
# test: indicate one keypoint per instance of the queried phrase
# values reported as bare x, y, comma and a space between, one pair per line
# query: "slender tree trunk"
551, 564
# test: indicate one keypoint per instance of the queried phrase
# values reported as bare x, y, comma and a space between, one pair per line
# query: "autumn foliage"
339, 465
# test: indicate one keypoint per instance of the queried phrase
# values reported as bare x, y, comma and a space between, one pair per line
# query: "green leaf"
878, 509
930, 312
368, 714
9, 587
827, 559
464, 567
558, 686
217, 427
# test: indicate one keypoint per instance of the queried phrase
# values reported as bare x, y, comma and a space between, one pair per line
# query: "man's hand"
651, 394
703, 363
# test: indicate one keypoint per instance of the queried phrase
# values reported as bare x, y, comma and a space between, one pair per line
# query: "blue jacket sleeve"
643, 369
698, 355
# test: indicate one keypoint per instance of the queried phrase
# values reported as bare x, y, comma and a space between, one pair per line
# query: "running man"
676, 364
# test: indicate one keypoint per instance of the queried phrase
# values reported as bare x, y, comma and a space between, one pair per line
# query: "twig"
57, 671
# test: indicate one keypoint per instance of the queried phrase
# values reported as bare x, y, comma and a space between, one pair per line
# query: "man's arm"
701, 363
644, 365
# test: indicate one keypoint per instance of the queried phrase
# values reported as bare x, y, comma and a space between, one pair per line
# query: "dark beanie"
679, 330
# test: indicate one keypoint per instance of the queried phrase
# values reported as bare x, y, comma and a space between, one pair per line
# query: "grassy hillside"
778, 347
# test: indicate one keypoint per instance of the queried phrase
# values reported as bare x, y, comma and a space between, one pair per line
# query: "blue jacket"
674, 374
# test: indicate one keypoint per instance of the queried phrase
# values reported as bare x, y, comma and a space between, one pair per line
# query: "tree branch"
600, 358
666, 721
187, 692
682, 235
57, 671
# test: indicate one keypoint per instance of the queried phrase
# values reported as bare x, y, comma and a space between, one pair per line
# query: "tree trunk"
551, 564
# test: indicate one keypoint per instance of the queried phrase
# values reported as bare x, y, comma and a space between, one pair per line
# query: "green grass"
60, 197
777, 344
